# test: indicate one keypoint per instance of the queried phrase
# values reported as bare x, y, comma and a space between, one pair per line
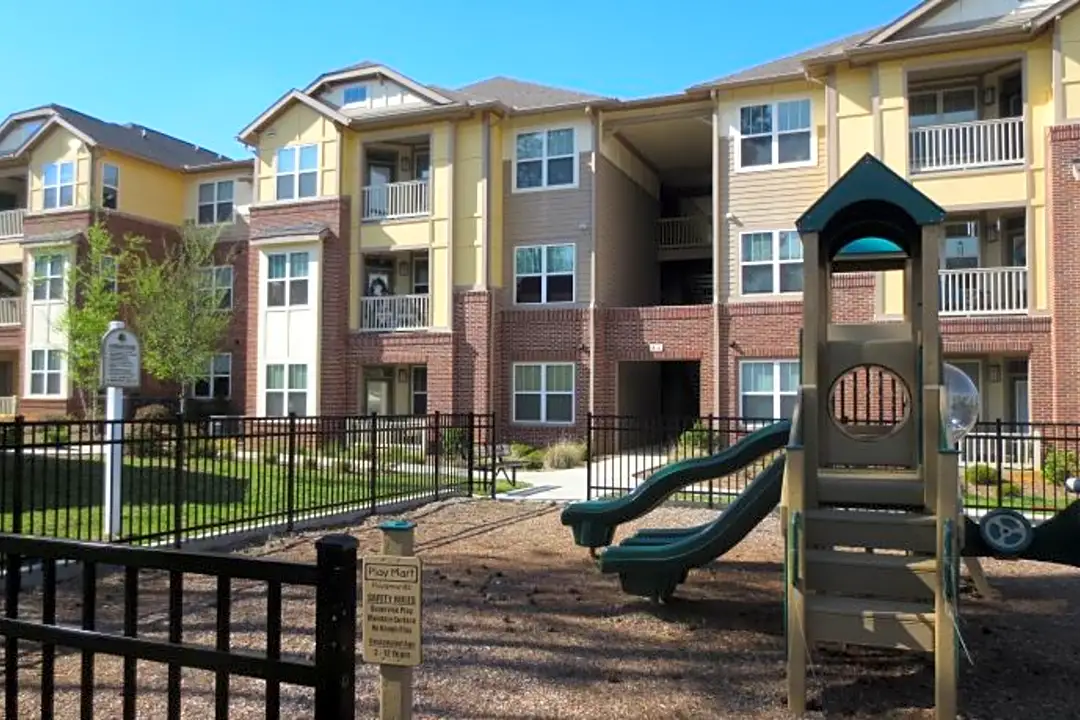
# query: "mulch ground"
519, 624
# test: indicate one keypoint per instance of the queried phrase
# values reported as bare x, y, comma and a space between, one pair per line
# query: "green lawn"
63, 496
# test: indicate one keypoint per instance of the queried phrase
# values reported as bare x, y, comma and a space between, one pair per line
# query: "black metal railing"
117, 629
186, 479
1002, 464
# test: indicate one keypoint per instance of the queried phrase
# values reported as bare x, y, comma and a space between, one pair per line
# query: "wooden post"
395, 681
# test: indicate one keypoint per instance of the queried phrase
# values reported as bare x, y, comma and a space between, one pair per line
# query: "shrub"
207, 447
694, 441
1011, 490
57, 431
152, 435
981, 475
534, 459
452, 441
521, 450
1058, 465
564, 454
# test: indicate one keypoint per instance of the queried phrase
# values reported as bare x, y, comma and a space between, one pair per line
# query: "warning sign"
390, 610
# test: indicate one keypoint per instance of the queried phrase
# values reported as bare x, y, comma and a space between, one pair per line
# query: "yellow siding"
60, 146
350, 187
1070, 51
968, 188
498, 177
468, 204
855, 115
11, 253
300, 125
145, 190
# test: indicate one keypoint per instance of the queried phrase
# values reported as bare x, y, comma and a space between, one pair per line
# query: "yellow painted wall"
498, 178
854, 114
468, 204
299, 125
145, 190
1070, 52
60, 146
11, 253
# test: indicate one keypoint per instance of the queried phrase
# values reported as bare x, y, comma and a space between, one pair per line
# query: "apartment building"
62, 170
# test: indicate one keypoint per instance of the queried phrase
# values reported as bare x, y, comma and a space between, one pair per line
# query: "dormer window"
355, 94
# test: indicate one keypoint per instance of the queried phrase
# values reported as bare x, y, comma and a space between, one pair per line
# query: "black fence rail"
185, 479
1023, 466
34, 638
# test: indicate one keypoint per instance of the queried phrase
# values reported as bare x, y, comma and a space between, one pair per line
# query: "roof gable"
937, 17
20, 128
373, 70
247, 135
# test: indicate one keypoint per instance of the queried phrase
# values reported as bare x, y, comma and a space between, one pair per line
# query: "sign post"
390, 608
121, 369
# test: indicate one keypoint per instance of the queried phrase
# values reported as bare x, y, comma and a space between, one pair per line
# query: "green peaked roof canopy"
870, 202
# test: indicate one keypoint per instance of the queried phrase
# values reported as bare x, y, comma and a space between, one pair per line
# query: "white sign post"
121, 369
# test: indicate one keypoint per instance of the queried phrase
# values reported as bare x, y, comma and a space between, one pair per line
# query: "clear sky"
203, 69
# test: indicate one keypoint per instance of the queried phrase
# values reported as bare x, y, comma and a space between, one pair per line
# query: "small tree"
178, 310
96, 296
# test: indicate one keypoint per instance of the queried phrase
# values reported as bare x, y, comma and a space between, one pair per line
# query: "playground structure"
871, 508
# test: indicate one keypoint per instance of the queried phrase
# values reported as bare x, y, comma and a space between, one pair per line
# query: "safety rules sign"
390, 610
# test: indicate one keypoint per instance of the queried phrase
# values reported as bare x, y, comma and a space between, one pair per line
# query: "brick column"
1064, 260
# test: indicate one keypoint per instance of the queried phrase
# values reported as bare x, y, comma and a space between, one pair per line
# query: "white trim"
375, 71
59, 185
217, 201
286, 280
544, 392
285, 100
286, 390
48, 277
776, 393
345, 103
287, 240
775, 262
544, 274
939, 105
60, 372
775, 134
105, 186
297, 172
544, 159
212, 376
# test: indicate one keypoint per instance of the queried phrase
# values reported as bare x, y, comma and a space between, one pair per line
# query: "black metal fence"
1002, 464
33, 638
186, 479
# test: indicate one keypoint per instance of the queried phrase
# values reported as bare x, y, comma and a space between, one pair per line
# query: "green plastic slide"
593, 522
655, 568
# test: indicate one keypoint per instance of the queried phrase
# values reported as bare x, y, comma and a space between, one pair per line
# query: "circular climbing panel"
1006, 531
869, 402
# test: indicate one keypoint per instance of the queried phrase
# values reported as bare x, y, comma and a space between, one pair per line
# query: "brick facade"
1062, 392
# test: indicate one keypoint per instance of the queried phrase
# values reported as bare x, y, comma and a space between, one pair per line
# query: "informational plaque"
390, 610
121, 360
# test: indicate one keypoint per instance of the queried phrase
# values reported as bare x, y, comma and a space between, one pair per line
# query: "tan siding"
764, 200
550, 216
627, 269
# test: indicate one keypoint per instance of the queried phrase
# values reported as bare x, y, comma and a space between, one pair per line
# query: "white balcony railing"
962, 146
397, 200
984, 291
11, 223
683, 232
8, 405
10, 311
1017, 450
394, 312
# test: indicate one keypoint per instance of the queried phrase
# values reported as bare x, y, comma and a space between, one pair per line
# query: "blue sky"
203, 69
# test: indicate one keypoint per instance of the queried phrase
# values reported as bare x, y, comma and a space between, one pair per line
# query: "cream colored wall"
854, 114
770, 199
498, 180
468, 204
144, 190
1070, 54
299, 125
631, 166
59, 145
11, 253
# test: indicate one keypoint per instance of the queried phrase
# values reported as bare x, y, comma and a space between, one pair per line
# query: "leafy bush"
981, 475
207, 447
693, 442
56, 432
1011, 490
452, 441
152, 435
564, 454
521, 450
1059, 465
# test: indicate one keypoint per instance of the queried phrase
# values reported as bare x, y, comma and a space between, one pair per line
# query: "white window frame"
972, 232
413, 392
106, 186
296, 172
45, 372
544, 274
213, 285
59, 186
939, 105
775, 262
543, 392
217, 202
775, 133
776, 393
287, 390
46, 279
287, 280
545, 158
355, 103
212, 376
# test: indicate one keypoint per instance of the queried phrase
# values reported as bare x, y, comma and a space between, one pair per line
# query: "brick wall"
474, 349
435, 350
1064, 197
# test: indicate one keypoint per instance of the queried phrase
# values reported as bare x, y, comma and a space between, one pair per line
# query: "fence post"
335, 628
588, 455
438, 452
491, 455
373, 458
999, 445
290, 473
470, 453
711, 447
178, 482
20, 475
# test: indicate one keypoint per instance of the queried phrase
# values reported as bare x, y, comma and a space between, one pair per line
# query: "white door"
378, 200
378, 397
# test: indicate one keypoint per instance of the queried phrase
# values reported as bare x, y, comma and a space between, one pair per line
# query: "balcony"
984, 291
11, 312
389, 313
398, 200
677, 233
11, 223
967, 145
8, 405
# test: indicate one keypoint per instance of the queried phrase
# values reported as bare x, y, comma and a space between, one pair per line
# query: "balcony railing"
394, 312
963, 146
10, 311
8, 405
984, 291
397, 200
683, 232
11, 223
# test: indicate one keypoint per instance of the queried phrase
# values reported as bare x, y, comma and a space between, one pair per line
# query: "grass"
63, 495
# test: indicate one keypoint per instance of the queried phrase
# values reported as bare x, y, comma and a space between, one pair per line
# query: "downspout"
717, 244
596, 135
485, 258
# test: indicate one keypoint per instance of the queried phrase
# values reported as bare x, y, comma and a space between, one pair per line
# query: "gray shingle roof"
522, 95
303, 228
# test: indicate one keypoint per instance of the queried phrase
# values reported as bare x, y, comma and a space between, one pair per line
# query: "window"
287, 279
419, 391
110, 186
49, 277
215, 202
218, 383
775, 134
961, 250
58, 183
286, 390
768, 389
545, 159
544, 393
297, 172
420, 284
771, 262
45, 371
355, 94
941, 107
544, 274
219, 281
